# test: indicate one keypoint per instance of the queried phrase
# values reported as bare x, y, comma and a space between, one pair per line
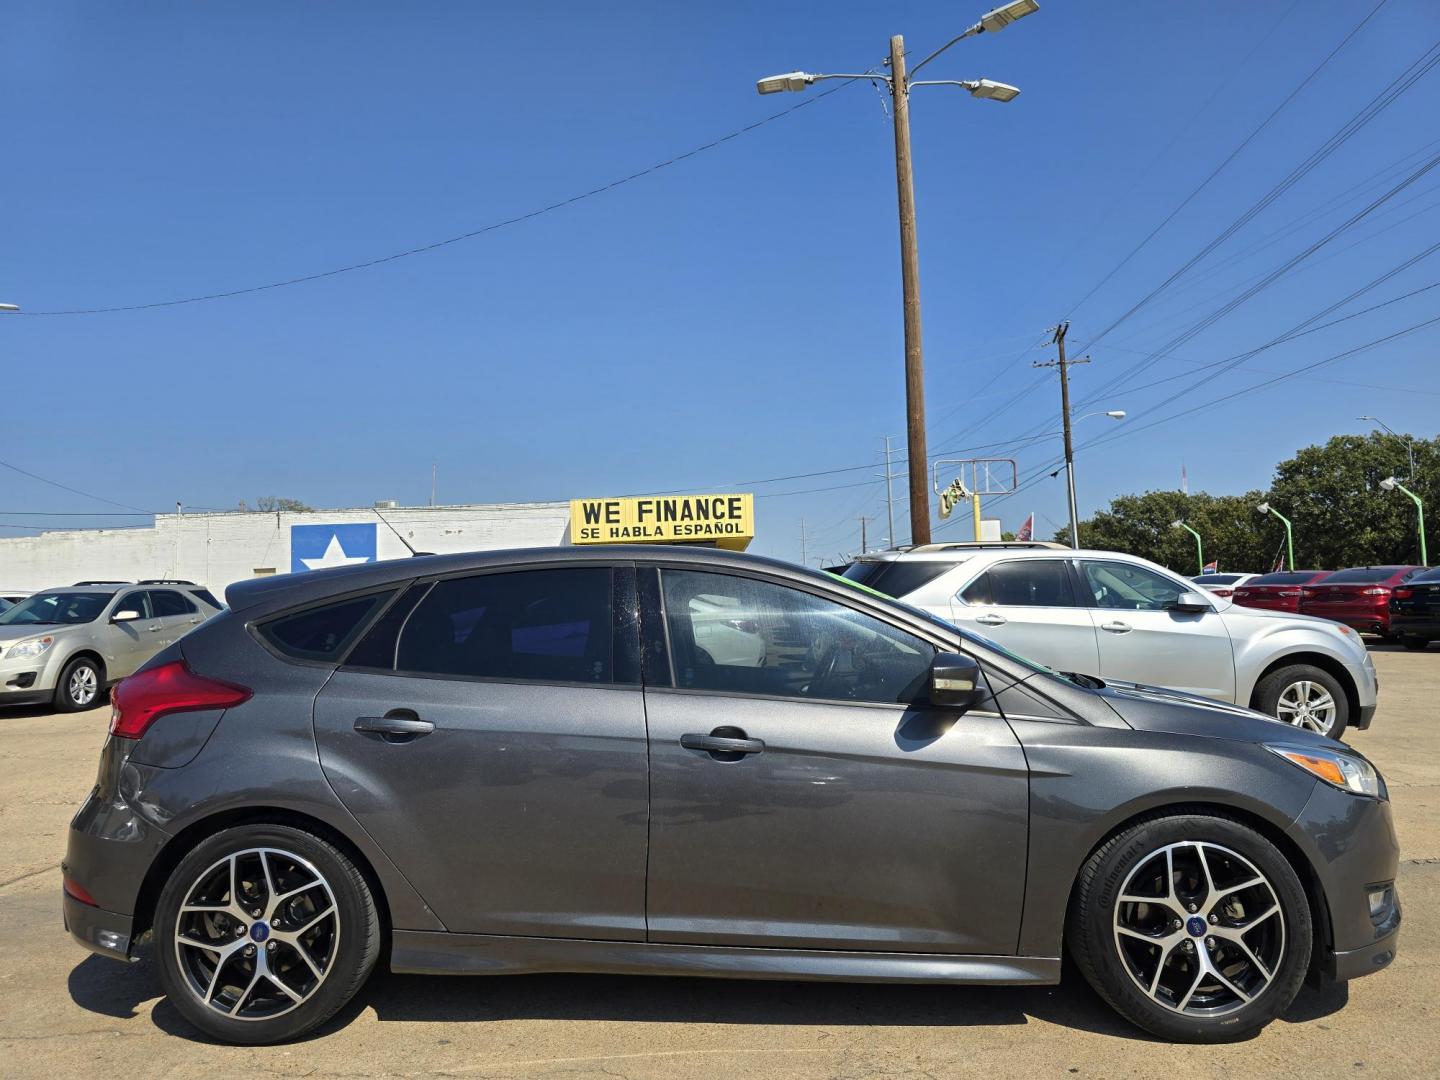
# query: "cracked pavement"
64, 1012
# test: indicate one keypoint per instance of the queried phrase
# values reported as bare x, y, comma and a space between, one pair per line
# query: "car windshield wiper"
1089, 682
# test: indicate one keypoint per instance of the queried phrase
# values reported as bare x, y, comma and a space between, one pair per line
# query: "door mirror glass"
125, 615
955, 681
1189, 601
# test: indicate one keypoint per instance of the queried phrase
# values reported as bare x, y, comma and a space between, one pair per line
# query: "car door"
489, 733
128, 643
835, 813
1030, 607
1142, 639
176, 613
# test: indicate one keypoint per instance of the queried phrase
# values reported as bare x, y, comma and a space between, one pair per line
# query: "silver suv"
1125, 619
67, 645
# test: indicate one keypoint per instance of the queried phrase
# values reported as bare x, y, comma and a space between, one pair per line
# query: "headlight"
1353, 774
29, 648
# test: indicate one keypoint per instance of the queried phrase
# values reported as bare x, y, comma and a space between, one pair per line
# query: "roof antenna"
413, 553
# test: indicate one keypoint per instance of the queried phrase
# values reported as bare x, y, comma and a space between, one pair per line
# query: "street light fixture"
1199, 546
1266, 508
9, 307
900, 85
1409, 445
1391, 484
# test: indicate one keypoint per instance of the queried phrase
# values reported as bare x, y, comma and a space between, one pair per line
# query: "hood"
29, 630
1154, 708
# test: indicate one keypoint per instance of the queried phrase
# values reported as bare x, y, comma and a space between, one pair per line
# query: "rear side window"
207, 596
1023, 583
533, 625
1360, 574
168, 603
321, 633
898, 579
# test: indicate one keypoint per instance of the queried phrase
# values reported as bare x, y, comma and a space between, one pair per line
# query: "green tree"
269, 504
1143, 525
1342, 518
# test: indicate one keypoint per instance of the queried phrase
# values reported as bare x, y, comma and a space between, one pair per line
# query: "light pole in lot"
900, 86
1199, 545
9, 307
1391, 484
1266, 508
1409, 445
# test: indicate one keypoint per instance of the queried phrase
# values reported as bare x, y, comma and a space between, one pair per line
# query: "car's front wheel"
263, 932
80, 686
1193, 927
1307, 697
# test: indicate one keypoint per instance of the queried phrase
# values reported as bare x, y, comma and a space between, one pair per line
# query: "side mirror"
955, 681
1191, 602
125, 615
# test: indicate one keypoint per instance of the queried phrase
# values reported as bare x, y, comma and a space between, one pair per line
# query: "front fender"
1261, 642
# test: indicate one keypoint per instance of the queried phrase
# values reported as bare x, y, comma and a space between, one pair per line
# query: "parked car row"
1361, 597
67, 645
1124, 619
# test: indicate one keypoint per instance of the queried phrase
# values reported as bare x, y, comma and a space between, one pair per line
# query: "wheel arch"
1328, 664
1299, 862
185, 841
86, 652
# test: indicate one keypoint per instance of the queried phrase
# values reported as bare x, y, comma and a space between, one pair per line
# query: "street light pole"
1199, 546
1391, 484
1409, 445
1266, 508
910, 286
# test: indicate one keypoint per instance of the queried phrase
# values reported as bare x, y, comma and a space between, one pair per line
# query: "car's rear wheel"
1416, 643
263, 932
80, 686
1307, 697
1193, 927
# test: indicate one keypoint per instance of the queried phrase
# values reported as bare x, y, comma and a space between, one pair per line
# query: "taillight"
1308, 592
1296, 592
1244, 594
141, 699
1224, 592
1404, 592
1378, 590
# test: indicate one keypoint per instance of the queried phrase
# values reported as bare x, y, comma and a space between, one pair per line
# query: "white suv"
1123, 618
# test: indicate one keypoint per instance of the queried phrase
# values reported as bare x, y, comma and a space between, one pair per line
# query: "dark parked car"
1279, 591
1359, 597
530, 761
1415, 610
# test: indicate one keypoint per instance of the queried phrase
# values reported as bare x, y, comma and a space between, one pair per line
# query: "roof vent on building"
386, 504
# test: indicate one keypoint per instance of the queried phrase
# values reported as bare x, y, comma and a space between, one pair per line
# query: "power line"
66, 487
436, 245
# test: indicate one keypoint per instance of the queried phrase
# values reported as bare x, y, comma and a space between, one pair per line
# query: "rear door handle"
722, 744
394, 728
1115, 626
991, 619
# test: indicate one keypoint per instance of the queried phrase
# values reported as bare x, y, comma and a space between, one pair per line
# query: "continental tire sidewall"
359, 934
1091, 927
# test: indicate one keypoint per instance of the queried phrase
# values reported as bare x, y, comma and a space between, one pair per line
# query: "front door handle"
401, 727
1115, 626
723, 744
991, 619
153, 629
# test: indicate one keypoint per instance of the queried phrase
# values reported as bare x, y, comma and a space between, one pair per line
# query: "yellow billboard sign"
726, 521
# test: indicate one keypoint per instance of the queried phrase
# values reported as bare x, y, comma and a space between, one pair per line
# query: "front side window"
167, 603
534, 625
138, 602
1129, 587
56, 609
739, 635
1023, 583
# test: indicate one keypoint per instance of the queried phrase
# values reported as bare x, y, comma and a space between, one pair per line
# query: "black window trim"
253, 626
618, 635
799, 586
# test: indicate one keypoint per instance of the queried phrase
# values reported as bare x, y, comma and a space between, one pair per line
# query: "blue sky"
730, 318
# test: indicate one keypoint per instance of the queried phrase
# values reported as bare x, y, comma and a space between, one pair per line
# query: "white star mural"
334, 556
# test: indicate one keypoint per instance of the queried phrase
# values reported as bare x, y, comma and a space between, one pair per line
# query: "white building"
215, 549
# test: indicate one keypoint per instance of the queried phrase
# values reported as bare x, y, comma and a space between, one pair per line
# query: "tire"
236, 999
1419, 644
81, 685
1134, 860
1282, 690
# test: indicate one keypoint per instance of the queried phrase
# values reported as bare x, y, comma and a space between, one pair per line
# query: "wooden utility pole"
1064, 365
910, 284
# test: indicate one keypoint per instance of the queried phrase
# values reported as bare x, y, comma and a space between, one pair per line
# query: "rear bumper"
102, 932
1427, 626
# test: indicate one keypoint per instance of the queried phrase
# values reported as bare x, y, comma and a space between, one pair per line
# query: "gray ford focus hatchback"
686, 761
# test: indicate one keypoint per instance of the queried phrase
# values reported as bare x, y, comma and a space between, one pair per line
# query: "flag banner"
1027, 530
1210, 568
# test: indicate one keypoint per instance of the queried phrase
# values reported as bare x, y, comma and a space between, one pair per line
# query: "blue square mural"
316, 547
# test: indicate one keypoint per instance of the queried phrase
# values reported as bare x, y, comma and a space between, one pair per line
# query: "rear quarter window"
321, 633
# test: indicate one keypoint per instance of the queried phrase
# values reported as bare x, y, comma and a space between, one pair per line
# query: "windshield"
1217, 579
56, 608
1362, 574
1285, 577
1429, 577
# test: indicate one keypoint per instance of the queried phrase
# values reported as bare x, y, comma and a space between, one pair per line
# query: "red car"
1279, 591
1358, 597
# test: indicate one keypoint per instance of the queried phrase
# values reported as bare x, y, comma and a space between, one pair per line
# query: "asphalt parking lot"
63, 1012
